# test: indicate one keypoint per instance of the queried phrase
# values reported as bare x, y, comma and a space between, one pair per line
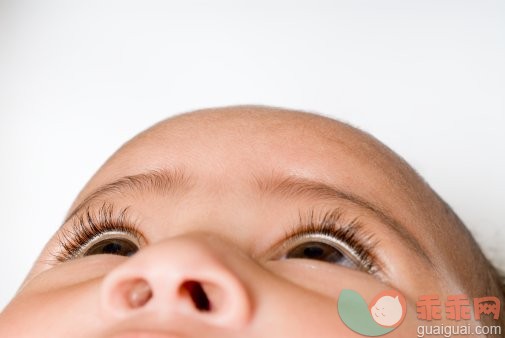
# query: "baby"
253, 222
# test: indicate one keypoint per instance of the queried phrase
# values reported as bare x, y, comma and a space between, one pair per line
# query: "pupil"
112, 248
313, 251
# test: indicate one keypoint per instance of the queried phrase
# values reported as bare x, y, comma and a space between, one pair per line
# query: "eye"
112, 243
331, 237
97, 232
323, 248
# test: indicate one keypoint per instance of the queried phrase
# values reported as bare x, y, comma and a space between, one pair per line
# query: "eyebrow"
163, 182
168, 181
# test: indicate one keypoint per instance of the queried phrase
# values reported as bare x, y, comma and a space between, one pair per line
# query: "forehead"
234, 145
253, 141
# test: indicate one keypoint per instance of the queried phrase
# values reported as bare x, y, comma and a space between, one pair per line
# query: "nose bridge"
187, 276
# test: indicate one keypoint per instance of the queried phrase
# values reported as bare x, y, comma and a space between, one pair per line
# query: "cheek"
54, 313
312, 306
326, 279
298, 313
71, 273
51, 301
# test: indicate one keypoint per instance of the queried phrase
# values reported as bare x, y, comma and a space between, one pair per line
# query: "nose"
185, 276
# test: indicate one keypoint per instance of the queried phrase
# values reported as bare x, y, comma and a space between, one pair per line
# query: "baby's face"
242, 222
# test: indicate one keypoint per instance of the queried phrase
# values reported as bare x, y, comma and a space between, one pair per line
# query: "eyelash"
332, 224
89, 226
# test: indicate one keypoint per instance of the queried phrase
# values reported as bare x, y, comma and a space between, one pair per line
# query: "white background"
78, 78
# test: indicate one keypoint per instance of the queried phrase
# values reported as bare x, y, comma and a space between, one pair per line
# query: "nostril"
139, 293
197, 294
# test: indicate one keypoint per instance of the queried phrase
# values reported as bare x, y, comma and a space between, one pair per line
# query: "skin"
224, 231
